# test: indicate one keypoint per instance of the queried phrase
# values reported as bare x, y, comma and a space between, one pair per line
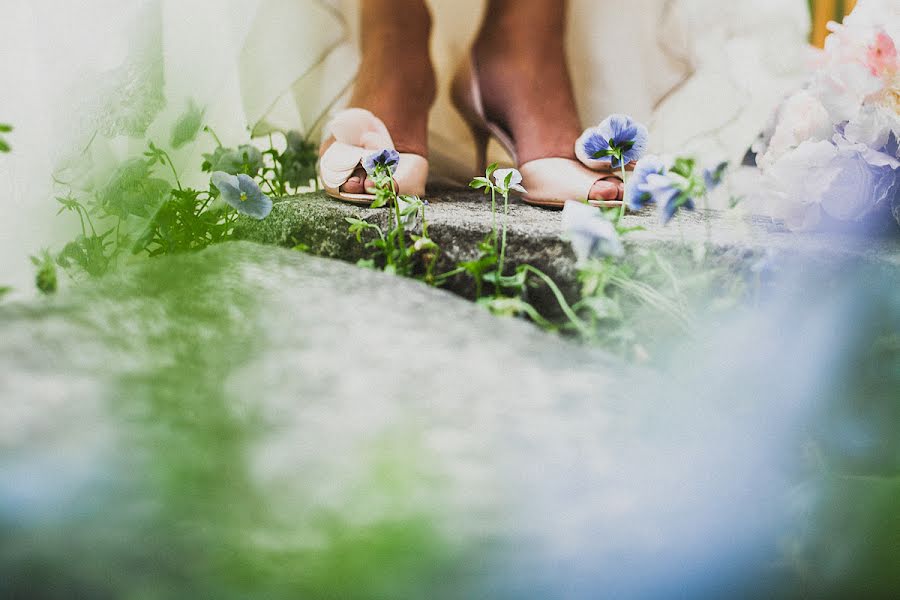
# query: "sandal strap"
558, 180
357, 133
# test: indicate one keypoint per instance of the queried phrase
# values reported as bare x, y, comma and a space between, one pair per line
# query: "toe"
606, 190
354, 185
370, 186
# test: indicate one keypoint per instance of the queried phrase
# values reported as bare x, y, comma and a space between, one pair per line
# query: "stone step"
459, 218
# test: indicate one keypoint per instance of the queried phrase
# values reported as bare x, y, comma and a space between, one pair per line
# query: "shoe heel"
466, 96
482, 138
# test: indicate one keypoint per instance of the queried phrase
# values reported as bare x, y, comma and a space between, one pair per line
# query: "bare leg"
525, 82
396, 79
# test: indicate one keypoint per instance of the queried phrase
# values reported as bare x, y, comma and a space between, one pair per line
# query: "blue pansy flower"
589, 232
635, 197
241, 193
615, 142
668, 192
713, 177
386, 158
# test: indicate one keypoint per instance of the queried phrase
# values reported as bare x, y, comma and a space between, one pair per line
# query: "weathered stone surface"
459, 219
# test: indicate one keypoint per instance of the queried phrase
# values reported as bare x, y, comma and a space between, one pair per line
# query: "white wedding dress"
87, 83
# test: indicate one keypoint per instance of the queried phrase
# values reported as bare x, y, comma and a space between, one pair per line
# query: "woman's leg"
396, 79
521, 59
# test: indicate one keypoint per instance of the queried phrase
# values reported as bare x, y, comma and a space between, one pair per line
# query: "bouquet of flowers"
831, 152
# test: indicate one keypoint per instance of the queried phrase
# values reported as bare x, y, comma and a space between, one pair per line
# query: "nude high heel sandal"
549, 181
358, 133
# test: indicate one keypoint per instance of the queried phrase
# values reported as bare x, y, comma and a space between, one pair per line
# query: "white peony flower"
801, 118
873, 126
840, 179
799, 180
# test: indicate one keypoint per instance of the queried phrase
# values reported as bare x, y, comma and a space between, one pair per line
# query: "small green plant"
4, 145
392, 250
139, 211
45, 277
509, 289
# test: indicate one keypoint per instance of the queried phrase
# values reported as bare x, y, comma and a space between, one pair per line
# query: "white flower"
515, 179
870, 14
873, 126
801, 118
590, 234
843, 89
842, 180
843, 80
799, 180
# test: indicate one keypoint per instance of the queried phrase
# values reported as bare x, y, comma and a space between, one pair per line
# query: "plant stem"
401, 233
172, 167
88, 217
706, 219
444, 276
622, 208
210, 131
494, 216
561, 299
271, 188
277, 168
205, 204
503, 240
81, 218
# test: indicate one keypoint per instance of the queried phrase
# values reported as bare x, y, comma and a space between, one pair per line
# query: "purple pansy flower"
591, 235
668, 192
635, 197
713, 177
387, 158
241, 193
617, 141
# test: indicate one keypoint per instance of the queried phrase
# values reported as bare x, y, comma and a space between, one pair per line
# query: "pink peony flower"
881, 57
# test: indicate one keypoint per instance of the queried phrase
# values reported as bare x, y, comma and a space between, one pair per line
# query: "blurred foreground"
254, 422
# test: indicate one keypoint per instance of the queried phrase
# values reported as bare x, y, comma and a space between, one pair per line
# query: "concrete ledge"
460, 218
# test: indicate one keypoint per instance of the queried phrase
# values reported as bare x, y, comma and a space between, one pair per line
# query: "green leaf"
246, 159
68, 203
45, 278
187, 126
133, 191
603, 307
684, 166
490, 170
298, 161
380, 200
604, 153
6, 128
479, 182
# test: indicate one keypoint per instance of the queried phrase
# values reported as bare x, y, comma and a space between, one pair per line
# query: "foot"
395, 81
510, 54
